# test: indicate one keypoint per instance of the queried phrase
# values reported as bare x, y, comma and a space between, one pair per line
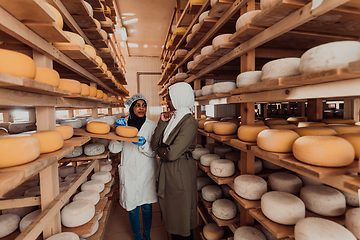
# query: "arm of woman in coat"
157, 137
146, 147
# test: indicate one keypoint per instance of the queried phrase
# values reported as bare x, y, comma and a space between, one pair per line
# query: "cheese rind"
66, 131
224, 209
352, 221
212, 231
249, 133
277, 140
64, 236
103, 176
206, 159
315, 131
71, 85
248, 233
94, 185
8, 224
77, 213
211, 193
98, 127
281, 68
47, 75
126, 131
222, 168
285, 182
94, 149
225, 128
50, 141
92, 196
28, 219
198, 152
246, 18
250, 187
247, 78
11, 60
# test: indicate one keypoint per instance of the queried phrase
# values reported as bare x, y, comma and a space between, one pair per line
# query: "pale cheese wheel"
126, 131
190, 65
207, 50
205, 15
90, 50
246, 18
105, 167
105, 97
103, 176
323, 200
283, 126
309, 181
104, 67
248, 233
8, 224
315, 131
198, 152
101, 215
223, 87
58, 18
224, 209
222, 150
202, 182
277, 140
85, 89
280, 68
343, 129
326, 151
283, 208
98, 127
75, 123
99, 60
21, 211
77, 213
211, 146
329, 56
81, 167
312, 228
189, 37
225, 128
339, 121
195, 28
71, 85
223, 40
89, 8
50, 141
103, 33
211, 193
311, 124
93, 230
222, 168
181, 76
11, 60
249, 133
64, 171
209, 126
207, 90
354, 139
285, 182
94, 149
212, 231
93, 91
47, 75
352, 221
199, 58
32, 192
233, 156
206, 159
98, 24
250, 187
92, 196
352, 200
266, 4
75, 39
247, 78
64, 236
28, 219
66, 131
93, 185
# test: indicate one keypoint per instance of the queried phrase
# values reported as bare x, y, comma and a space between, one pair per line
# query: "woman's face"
140, 108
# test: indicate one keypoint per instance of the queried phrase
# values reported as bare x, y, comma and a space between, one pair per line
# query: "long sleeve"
157, 136
146, 148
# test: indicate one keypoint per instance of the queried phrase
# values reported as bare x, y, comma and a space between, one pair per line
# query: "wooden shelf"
84, 21
102, 222
73, 51
99, 43
203, 132
213, 96
241, 145
109, 28
76, 8
352, 183
222, 223
208, 205
77, 141
206, 169
223, 180
93, 34
84, 157
247, 204
194, 8
99, 14
223, 138
220, 7
88, 98
110, 135
194, 40
204, 214
107, 186
48, 31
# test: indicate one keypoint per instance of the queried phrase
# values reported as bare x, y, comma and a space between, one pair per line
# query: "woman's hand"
166, 116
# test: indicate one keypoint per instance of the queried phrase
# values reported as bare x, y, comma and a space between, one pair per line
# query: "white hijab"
182, 98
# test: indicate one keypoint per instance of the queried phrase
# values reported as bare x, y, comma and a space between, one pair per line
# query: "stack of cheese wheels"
342, 129
258, 165
249, 133
339, 121
50, 141
224, 209
211, 146
18, 149
280, 68
64, 171
11, 60
103, 176
315, 131
250, 187
311, 124
85, 89
205, 15
126, 131
93, 91
313, 228
283, 126
352, 221
223, 40
8, 224
98, 127
211, 193
277, 140
222, 168
94, 149
77, 213
207, 50
296, 120
66, 131
282, 207
202, 182
90, 51
225, 128
207, 90
28, 219
212, 231
75, 123
248, 233
246, 18
92, 196
198, 152
329, 56
71, 85
209, 125
222, 150
247, 78
223, 87
326, 151
47, 75
75, 39
354, 139
275, 121
93, 185
206, 159
323, 200
64, 235
285, 182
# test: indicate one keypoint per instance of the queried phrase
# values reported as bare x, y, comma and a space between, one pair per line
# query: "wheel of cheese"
354, 139
92, 196
190, 65
93, 230
211, 193
195, 28
72, 122
205, 15
223, 40
212, 231
126, 131
309, 181
312, 228
66, 131
223, 87
28, 219
98, 127
311, 124
8, 224
207, 50
105, 97
277, 140
246, 18
105, 167
11, 60
32, 192
77, 213
222, 168
222, 150
104, 67
285, 182
326, 151
91, 51
75, 39
94, 149
199, 58
211, 146
206, 159
103, 33
339, 121
21, 211
202, 182
329, 56
3, 131
94, 185
181, 76
247, 78
189, 37
209, 126
207, 90
89, 8
85, 89
248, 233
224, 209
352, 221
101, 215
250, 187
50, 141
233, 156
249, 133
352, 200
225, 128
98, 24
283, 126
69, 178
99, 60
195, 55
283, 208
103, 176
81, 167
315, 131
64, 171
71, 85
280, 68
179, 30
47, 75
64, 236
323, 200
99, 93
181, 52
58, 18
275, 121
296, 120
198, 152
343, 129
93, 91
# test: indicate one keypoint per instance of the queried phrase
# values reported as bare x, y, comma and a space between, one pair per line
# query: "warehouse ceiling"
146, 24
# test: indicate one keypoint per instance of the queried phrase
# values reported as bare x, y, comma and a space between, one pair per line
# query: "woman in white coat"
137, 167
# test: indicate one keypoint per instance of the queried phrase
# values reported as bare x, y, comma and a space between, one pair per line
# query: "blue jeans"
135, 221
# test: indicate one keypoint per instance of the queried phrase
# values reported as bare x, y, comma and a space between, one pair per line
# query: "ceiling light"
134, 20
128, 14
122, 44
145, 45
133, 45
123, 33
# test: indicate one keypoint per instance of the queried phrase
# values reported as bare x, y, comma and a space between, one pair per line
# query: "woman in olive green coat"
174, 140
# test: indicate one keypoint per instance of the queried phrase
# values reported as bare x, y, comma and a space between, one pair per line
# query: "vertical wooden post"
300, 109
197, 86
110, 111
71, 113
315, 110
348, 109
8, 116
264, 107
247, 113
356, 110
32, 115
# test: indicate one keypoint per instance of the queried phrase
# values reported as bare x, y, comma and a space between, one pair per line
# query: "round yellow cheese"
50, 141
249, 133
18, 149
104, 67
11, 60
126, 131
315, 131
275, 121
296, 120
105, 97
99, 60
90, 50
326, 151
99, 93
212, 231
109, 74
58, 18
47, 75
311, 124
85, 89
283, 126
342, 129
202, 122
93, 91
66, 131
339, 121
354, 139
180, 30
69, 84
225, 128
277, 140
98, 127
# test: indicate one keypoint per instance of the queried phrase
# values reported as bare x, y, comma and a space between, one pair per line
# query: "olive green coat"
176, 175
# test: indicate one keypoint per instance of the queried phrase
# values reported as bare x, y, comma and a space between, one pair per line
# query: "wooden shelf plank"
110, 135
206, 169
109, 28
223, 180
48, 31
88, 98
213, 96
102, 223
194, 8
106, 188
203, 132
207, 205
84, 21
208, 60
204, 214
241, 145
222, 223
352, 183
93, 34
223, 138
247, 204
220, 7
76, 8
95, 3
77, 141
221, 51
73, 51
84, 157
197, 36
207, 24
99, 14
99, 43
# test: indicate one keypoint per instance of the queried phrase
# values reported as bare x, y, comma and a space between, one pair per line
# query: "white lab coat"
137, 169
